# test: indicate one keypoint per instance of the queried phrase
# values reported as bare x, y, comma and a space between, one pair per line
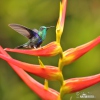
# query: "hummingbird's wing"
24, 30
35, 30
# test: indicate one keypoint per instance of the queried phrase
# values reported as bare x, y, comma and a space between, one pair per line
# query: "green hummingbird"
36, 37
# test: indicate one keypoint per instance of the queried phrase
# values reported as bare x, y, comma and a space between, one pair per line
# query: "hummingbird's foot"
29, 47
41, 47
34, 47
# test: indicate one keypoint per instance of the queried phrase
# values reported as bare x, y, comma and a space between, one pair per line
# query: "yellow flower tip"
61, 20
58, 26
40, 62
46, 84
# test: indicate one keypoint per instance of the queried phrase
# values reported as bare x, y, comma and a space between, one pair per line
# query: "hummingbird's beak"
50, 27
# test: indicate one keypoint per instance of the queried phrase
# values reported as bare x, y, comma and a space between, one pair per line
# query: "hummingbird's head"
42, 31
44, 28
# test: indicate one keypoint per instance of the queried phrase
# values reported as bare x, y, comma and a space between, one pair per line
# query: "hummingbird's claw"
41, 47
34, 47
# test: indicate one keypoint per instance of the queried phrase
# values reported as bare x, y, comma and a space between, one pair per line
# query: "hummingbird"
36, 37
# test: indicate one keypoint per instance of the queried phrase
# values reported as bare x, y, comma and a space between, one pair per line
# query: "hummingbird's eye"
41, 28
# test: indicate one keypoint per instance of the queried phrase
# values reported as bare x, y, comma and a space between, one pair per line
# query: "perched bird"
36, 37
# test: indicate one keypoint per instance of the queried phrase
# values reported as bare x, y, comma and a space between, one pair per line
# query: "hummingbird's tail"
19, 47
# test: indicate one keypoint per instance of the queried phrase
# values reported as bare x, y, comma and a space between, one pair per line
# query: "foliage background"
82, 25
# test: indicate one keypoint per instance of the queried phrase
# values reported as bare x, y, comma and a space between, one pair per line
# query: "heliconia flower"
76, 84
45, 94
73, 54
61, 20
49, 72
46, 72
50, 49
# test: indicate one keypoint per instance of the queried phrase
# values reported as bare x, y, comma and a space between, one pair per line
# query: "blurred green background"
82, 25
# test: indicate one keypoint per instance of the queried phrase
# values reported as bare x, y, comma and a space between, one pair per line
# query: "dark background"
82, 25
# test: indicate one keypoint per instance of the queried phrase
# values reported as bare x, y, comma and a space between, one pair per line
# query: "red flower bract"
38, 88
77, 84
50, 49
48, 72
73, 54
61, 20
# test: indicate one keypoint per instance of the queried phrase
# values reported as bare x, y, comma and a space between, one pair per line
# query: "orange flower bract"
76, 84
50, 49
38, 88
61, 20
48, 72
73, 54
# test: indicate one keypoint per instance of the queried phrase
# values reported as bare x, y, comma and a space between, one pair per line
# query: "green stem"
60, 65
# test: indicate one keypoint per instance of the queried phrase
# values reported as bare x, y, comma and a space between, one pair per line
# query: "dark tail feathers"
19, 47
